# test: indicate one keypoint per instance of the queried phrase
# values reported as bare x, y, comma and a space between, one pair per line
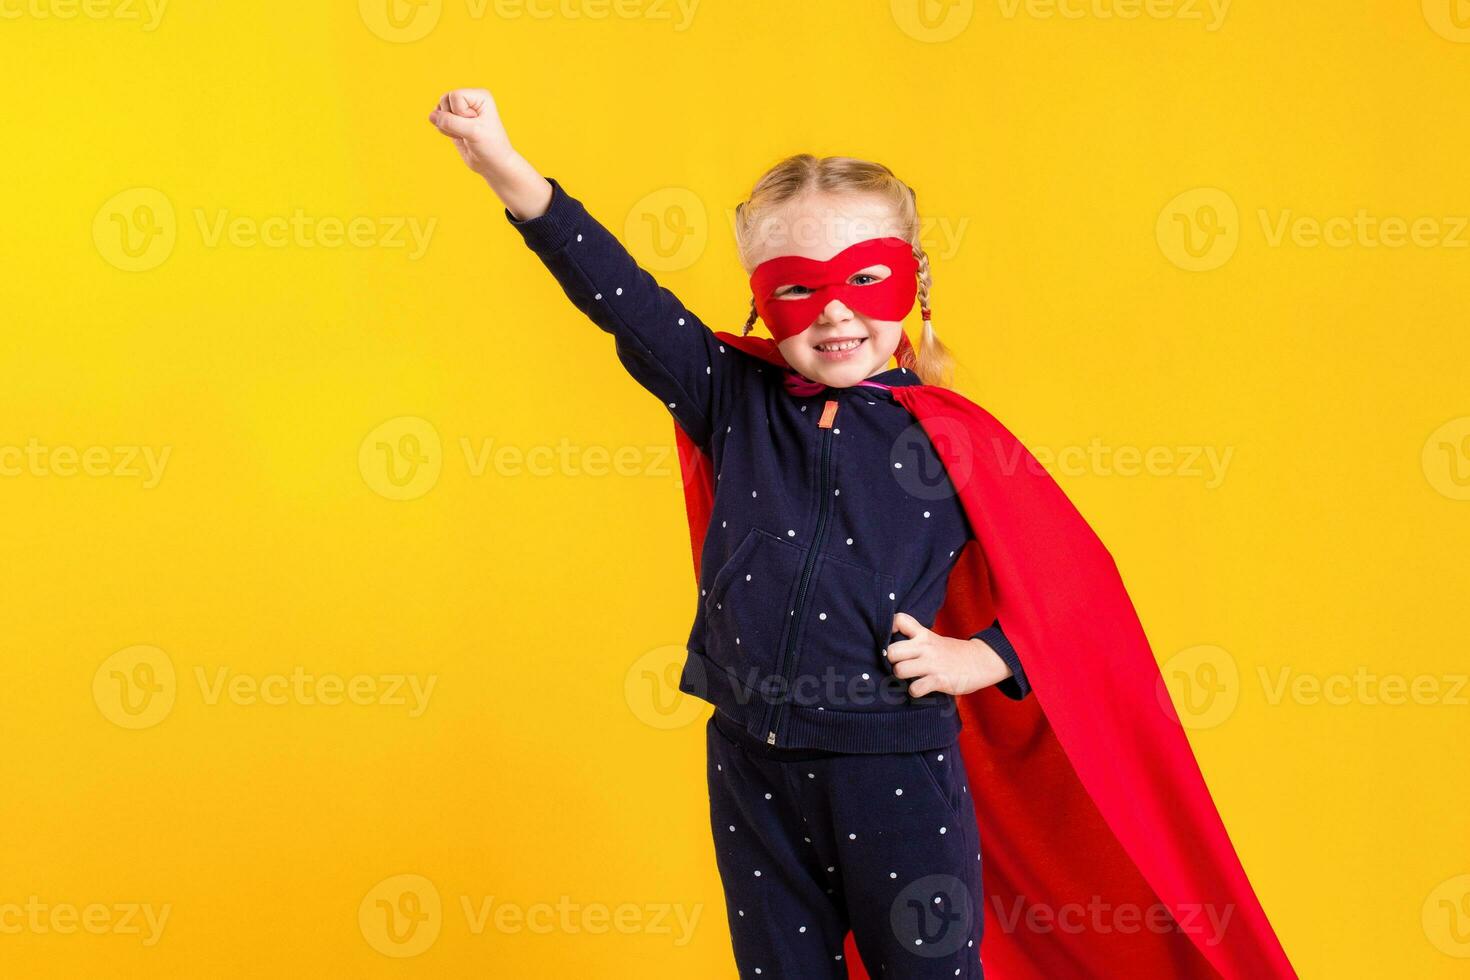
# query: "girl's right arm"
664, 347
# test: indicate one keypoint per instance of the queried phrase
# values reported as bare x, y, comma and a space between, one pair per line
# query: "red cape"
1103, 853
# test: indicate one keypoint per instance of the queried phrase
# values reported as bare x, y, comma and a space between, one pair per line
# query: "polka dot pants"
811, 844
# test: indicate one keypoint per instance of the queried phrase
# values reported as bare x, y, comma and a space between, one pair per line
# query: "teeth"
845, 345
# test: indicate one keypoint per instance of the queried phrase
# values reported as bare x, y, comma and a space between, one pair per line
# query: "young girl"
838, 795
826, 528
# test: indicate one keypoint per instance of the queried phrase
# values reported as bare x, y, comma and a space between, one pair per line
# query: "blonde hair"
803, 173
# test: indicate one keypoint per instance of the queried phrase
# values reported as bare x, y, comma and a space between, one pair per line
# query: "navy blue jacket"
818, 535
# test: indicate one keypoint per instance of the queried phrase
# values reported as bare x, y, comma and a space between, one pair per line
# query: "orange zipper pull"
828, 411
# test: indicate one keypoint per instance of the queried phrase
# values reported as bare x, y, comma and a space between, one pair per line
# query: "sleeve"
665, 348
1016, 686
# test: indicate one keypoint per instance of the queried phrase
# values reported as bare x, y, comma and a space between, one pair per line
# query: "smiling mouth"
839, 346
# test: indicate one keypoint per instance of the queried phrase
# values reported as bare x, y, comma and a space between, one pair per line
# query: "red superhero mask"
888, 299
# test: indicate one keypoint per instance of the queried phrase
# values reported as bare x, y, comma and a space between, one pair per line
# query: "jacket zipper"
787, 664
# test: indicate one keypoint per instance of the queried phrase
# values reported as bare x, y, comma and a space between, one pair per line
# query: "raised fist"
468, 117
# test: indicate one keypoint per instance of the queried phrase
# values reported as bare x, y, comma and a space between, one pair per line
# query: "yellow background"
1053, 150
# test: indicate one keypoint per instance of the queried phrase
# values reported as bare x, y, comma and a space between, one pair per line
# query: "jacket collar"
800, 386
896, 377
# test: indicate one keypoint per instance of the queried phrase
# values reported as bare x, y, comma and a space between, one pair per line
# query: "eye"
792, 292
870, 275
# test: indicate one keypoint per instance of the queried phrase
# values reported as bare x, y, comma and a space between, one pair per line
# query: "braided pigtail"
932, 362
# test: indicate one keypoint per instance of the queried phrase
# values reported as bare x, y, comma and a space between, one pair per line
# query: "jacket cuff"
550, 230
1016, 686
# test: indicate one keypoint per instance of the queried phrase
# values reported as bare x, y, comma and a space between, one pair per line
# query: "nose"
835, 312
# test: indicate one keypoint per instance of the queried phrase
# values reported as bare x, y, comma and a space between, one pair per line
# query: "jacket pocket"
745, 605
